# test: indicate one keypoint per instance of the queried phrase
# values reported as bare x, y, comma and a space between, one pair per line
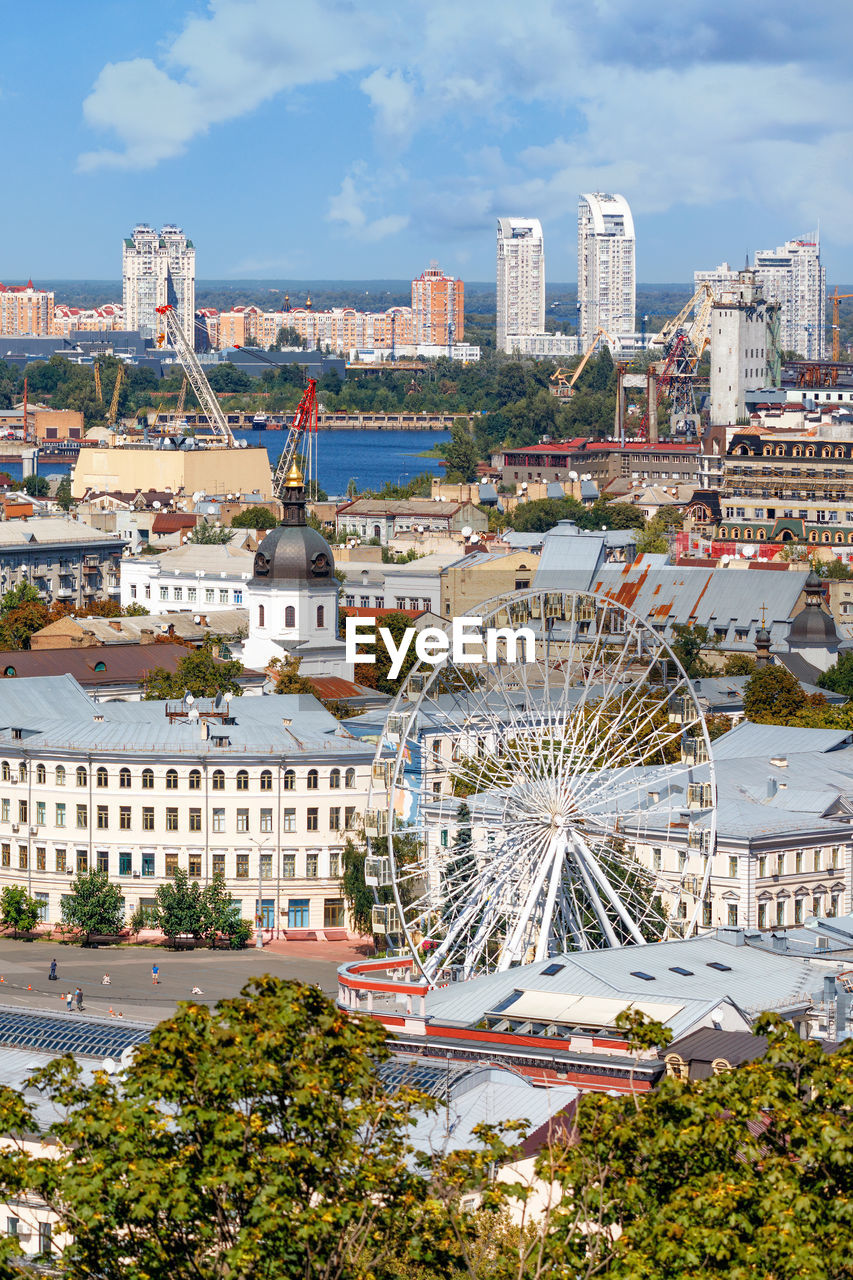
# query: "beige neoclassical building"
260, 790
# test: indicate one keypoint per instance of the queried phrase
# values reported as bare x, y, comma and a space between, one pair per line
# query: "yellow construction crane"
182, 399
111, 416
99, 393
836, 334
566, 388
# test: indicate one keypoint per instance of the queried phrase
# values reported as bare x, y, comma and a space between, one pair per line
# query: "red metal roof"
169, 522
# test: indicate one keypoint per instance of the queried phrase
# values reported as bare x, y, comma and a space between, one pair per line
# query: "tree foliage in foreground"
203, 673
256, 1140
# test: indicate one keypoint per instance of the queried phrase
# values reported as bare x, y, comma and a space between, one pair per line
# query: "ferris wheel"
518, 809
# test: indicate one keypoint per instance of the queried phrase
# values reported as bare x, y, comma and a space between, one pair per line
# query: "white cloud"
347, 209
746, 104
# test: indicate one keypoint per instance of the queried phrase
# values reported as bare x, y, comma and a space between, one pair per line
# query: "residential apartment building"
481, 576
438, 309
790, 486
792, 276
158, 268
256, 790
198, 578
26, 309
67, 320
63, 559
606, 267
670, 462
341, 329
520, 280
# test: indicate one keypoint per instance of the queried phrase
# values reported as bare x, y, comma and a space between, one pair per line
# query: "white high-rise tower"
520, 281
793, 277
158, 269
607, 280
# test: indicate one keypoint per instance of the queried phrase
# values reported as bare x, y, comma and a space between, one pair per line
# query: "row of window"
340, 818
194, 778
292, 865
771, 864
192, 595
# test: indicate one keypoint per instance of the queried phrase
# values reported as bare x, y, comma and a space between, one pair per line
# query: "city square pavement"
24, 970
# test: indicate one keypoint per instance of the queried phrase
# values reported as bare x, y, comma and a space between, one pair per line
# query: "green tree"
835, 570
688, 645
208, 535
93, 905
460, 453
220, 915
63, 493
839, 678
254, 518
135, 611
18, 911
773, 696
22, 613
227, 378
256, 1139
376, 675
287, 677
287, 336
202, 673
180, 907
358, 896
37, 486
739, 664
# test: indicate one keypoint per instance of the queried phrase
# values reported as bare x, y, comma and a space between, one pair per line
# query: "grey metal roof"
55, 712
753, 981
748, 739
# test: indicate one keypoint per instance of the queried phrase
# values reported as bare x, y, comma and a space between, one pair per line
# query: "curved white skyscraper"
520, 280
607, 280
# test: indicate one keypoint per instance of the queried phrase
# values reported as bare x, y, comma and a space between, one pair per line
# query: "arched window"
780, 451
261, 615
289, 780
377, 531
827, 537
761, 535
41, 773
290, 616
798, 451
242, 780
147, 779
7, 772
22, 771
266, 780
59, 776
82, 777
735, 534
124, 778
839, 537
335, 780
810, 451
195, 779
813, 535
102, 778
171, 779
321, 615
349, 780
767, 450
825, 452
217, 780
839, 452
313, 780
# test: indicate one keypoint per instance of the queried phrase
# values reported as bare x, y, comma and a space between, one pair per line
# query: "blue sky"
327, 139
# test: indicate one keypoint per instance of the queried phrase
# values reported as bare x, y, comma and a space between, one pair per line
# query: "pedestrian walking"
69, 1001
78, 996
52, 974
155, 974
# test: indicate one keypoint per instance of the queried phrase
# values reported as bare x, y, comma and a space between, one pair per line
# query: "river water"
370, 458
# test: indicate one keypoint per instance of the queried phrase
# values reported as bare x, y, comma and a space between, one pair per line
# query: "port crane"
113, 409
564, 387
836, 332
194, 373
683, 341
302, 430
